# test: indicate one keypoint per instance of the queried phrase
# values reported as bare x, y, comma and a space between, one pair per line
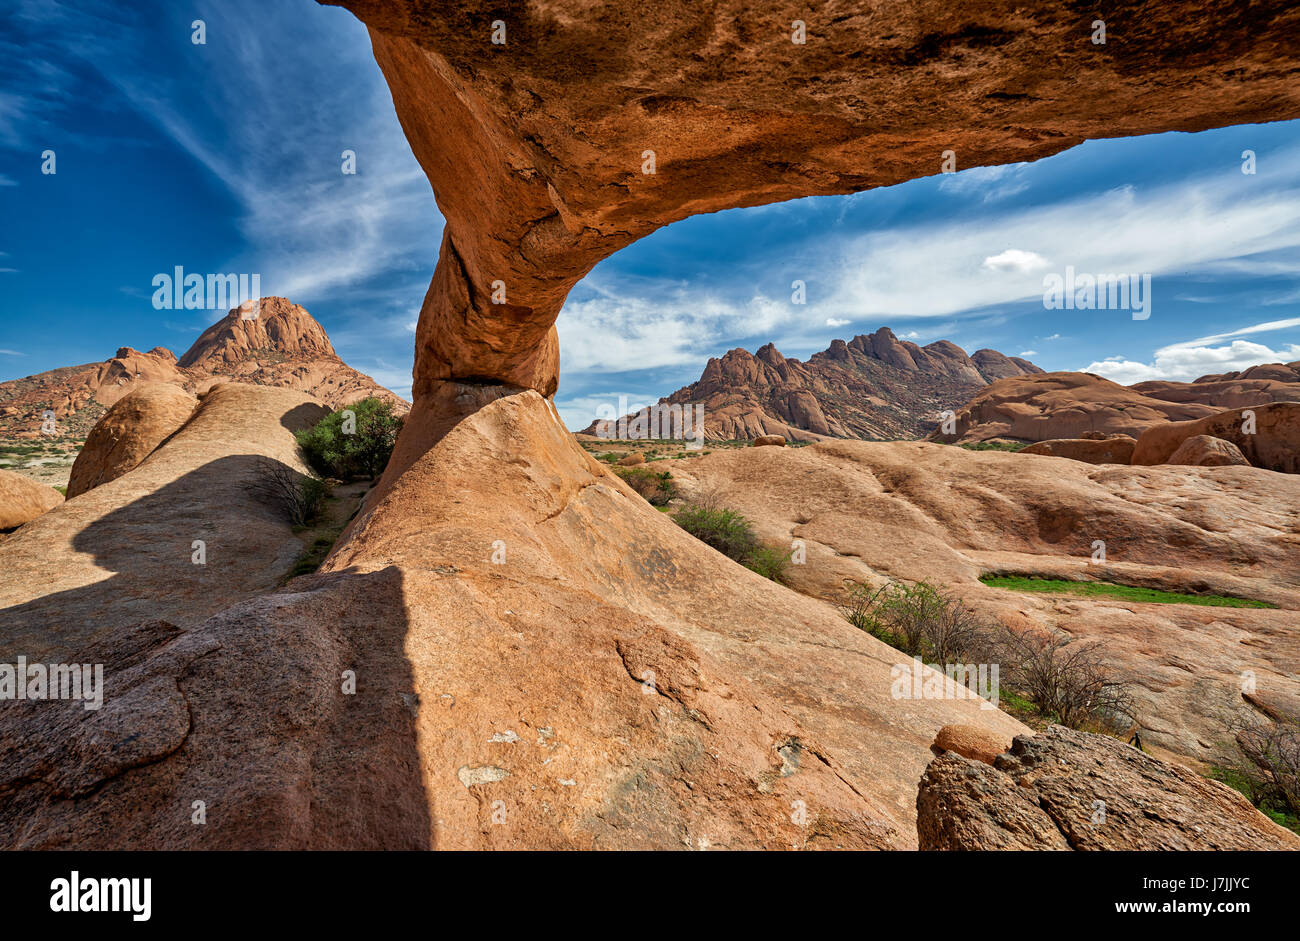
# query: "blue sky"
226, 157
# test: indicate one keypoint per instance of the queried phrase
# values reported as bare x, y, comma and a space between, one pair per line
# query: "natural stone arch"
535, 147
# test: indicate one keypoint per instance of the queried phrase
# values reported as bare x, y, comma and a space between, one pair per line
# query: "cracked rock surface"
1064, 790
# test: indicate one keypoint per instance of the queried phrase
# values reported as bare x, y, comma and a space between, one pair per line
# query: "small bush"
299, 497
725, 530
733, 535
658, 488
1266, 768
1066, 679
919, 619
770, 562
353, 442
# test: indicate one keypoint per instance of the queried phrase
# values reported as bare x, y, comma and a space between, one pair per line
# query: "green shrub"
733, 535
725, 530
658, 488
353, 442
770, 562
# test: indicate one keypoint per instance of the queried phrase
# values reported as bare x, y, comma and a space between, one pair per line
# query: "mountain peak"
271, 325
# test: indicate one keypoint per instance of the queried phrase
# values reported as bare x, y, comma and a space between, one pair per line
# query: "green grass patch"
993, 445
1111, 590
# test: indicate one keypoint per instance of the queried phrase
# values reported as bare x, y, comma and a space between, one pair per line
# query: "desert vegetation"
353, 442
299, 497
1265, 765
733, 535
657, 487
1050, 675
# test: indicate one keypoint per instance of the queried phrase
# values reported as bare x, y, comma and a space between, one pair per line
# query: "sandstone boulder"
128, 433
1268, 436
1091, 450
1064, 789
1208, 451
23, 499
631, 460
769, 440
971, 742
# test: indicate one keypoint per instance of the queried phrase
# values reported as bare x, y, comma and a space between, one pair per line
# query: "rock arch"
535, 146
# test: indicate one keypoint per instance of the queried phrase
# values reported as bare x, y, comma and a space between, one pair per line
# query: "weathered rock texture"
612, 681
873, 386
22, 500
1078, 405
128, 433
1268, 437
536, 147
1093, 450
867, 511
1063, 790
1208, 451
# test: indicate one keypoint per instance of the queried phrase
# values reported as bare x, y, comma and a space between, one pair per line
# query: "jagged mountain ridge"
874, 386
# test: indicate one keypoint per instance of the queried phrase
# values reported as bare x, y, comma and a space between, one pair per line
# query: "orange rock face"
1267, 435
1091, 450
1207, 451
125, 436
22, 500
1063, 405
873, 386
282, 346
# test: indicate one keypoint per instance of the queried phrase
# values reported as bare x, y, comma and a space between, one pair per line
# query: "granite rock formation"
1067, 790
281, 346
873, 386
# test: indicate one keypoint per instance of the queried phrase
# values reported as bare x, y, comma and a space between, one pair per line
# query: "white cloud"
832, 322
12, 353
1054, 336
1015, 259
1028, 353
1192, 359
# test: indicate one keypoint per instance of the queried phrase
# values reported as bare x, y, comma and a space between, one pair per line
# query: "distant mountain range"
281, 345
874, 386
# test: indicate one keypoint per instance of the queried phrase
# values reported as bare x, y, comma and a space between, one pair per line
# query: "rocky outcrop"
1063, 790
1098, 449
125, 552
873, 386
870, 511
769, 441
1062, 405
22, 500
129, 432
1268, 436
273, 343
1208, 451
657, 695
1081, 405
